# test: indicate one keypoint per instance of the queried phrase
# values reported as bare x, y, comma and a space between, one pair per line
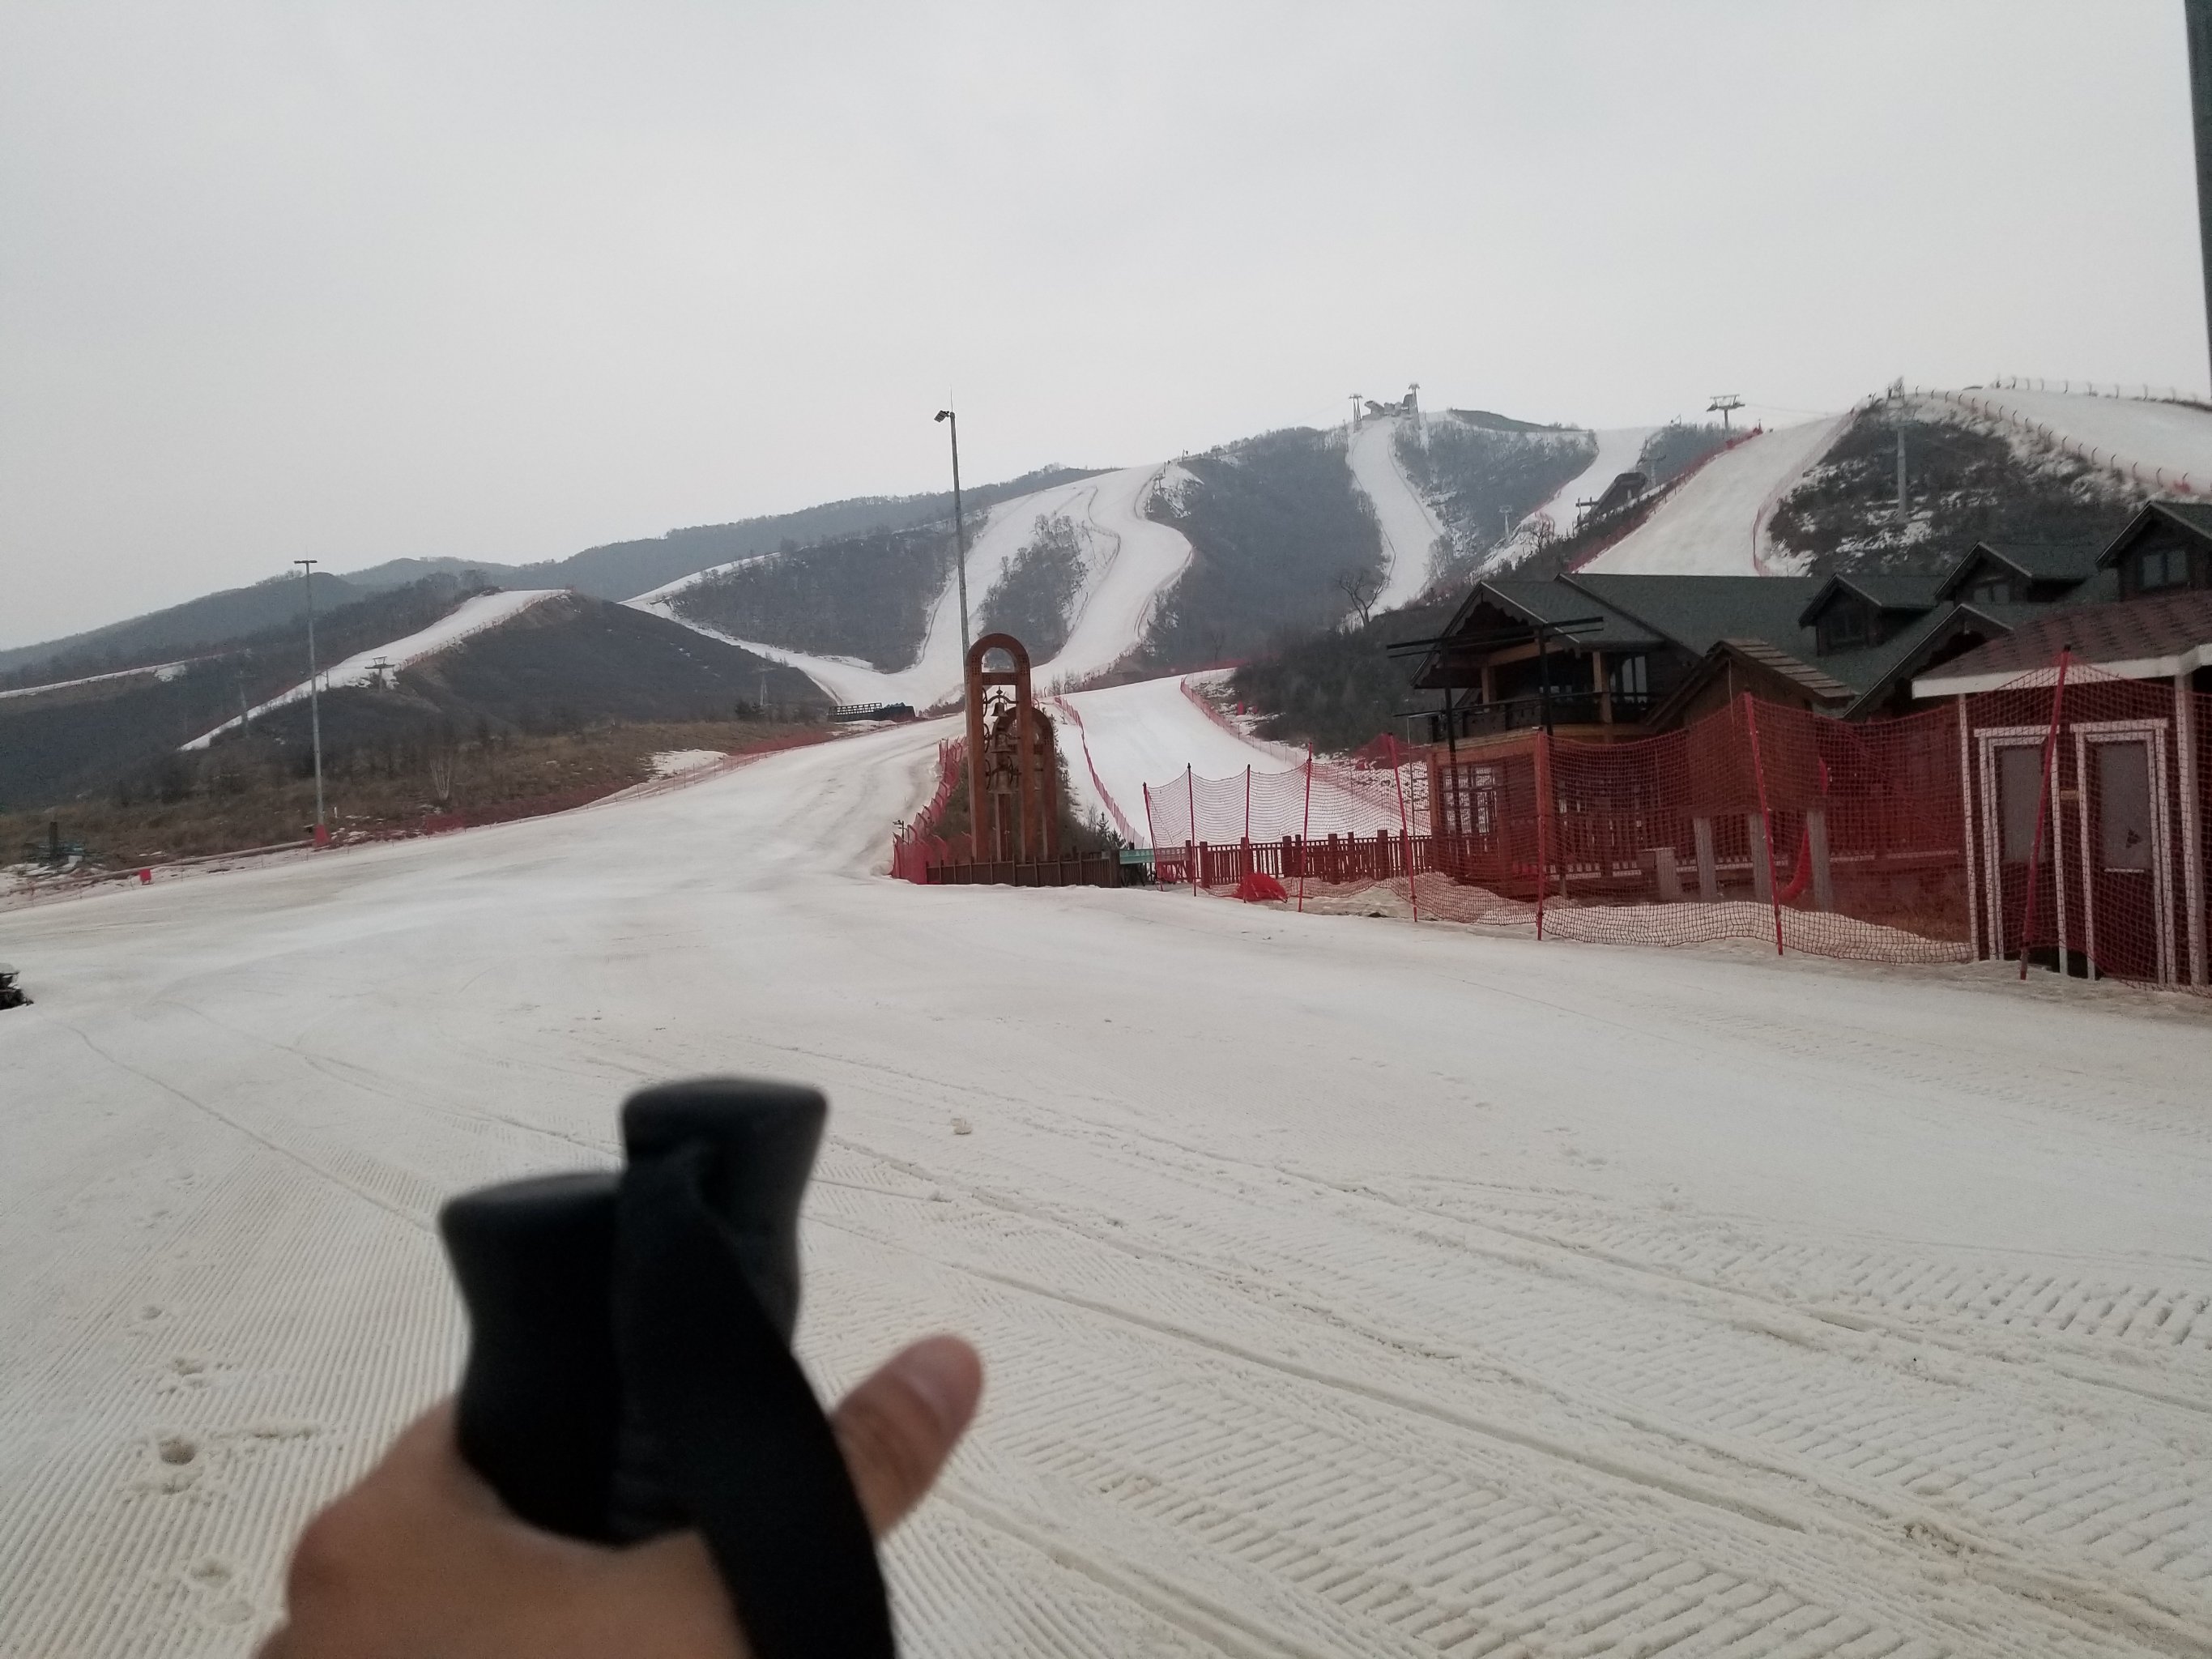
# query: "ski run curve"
1347, 1286
1409, 530
2166, 445
1619, 449
470, 616
1147, 732
1129, 562
1714, 522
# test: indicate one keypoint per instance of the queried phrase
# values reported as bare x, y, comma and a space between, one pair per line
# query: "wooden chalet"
1606, 658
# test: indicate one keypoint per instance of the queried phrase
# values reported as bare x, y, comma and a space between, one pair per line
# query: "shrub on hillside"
1965, 483
1674, 448
1275, 523
1035, 600
866, 596
1481, 480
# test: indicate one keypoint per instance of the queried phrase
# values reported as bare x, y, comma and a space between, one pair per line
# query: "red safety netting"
915, 844
2060, 824
1313, 798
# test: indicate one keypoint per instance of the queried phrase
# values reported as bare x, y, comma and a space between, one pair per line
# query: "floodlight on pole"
314, 696
959, 528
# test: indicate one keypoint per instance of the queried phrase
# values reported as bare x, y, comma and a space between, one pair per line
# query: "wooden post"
1666, 875
1305, 830
1762, 862
1709, 875
1816, 833
2192, 839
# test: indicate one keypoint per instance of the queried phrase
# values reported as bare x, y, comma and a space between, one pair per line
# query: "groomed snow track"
1347, 1288
2157, 444
1713, 523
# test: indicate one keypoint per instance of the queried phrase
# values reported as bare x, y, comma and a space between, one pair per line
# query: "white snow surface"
2170, 442
669, 762
1409, 528
1714, 523
1619, 449
1144, 733
1131, 562
164, 671
1347, 1286
471, 617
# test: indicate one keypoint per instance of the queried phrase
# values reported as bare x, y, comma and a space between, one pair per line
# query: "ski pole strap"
722, 1421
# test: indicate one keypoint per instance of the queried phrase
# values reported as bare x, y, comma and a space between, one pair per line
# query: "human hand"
422, 1561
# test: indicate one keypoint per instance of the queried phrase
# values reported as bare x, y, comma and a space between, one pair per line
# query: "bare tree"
1362, 588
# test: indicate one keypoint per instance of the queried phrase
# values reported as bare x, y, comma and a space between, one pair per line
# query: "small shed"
2082, 757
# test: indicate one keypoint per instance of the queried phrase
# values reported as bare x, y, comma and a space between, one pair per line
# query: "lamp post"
314, 695
959, 528
2197, 24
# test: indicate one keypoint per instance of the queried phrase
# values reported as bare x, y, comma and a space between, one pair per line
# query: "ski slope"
471, 617
2165, 444
1129, 563
1144, 733
1409, 528
164, 671
1713, 524
1346, 1287
1619, 449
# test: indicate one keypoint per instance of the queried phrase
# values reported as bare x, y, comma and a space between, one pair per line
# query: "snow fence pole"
1765, 818
1152, 833
1305, 830
1405, 833
2042, 801
1543, 753
1190, 793
1248, 800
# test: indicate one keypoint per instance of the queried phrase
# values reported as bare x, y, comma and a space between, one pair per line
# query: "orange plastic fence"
2066, 827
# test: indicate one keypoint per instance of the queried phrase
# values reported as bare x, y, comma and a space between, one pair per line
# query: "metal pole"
314, 695
2196, 16
1904, 510
959, 527
1305, 829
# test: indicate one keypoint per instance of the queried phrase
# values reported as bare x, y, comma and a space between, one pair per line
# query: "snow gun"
629, 1370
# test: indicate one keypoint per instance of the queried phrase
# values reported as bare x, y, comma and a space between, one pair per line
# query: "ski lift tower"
1721, 405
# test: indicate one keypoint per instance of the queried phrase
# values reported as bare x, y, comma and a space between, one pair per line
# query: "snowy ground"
1147, 733
1131, 561
1410, 530
1714, 525
1619, 448
1348, 1287
164, 671
470, 616
2170, 442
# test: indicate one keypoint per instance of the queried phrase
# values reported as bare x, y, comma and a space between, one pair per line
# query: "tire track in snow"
2013, 1554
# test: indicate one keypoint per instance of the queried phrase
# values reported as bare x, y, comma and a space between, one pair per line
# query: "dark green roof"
2195, 517
2039, 561
1864, 671
1698, 611
1883, 592
1556, 602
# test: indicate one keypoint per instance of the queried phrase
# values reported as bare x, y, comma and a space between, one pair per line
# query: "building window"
1631, 676
1845, 626
2162, 566
1995, 590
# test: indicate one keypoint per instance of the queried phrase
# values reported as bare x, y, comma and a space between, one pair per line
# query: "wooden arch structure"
1013, 784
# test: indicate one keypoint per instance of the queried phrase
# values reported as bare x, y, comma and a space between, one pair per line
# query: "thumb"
898, 1426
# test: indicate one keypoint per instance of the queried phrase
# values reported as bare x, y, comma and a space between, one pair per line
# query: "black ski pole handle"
546, 1415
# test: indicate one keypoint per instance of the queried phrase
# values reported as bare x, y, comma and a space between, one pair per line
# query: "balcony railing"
1526, 713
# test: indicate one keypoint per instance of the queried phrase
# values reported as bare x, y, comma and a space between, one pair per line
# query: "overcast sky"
504, 280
